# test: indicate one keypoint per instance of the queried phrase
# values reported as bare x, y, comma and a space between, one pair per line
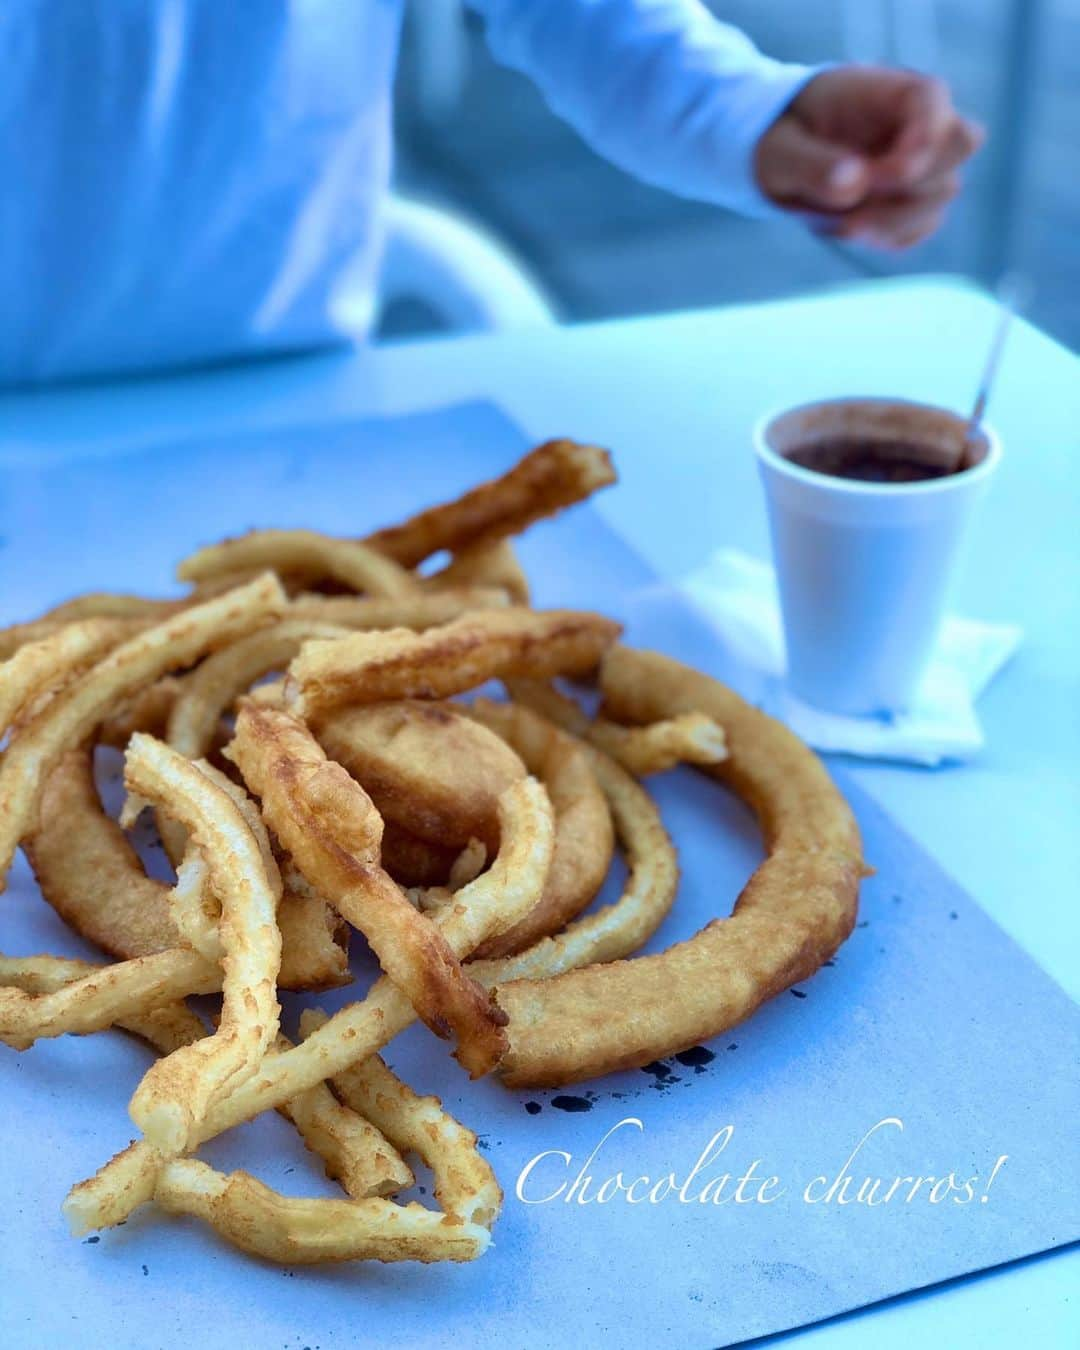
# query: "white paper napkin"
737, 594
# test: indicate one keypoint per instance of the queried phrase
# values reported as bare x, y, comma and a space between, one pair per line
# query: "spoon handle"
1010, 293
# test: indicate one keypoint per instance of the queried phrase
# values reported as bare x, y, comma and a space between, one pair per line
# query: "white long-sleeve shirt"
190, 181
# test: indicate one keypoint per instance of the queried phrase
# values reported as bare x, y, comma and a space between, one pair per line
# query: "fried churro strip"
314, 936
114, 605
210, 689
137, 610
426, 609
314, 556
307, 923
193, 904
795, 911
584, 837
194, 910
112, 995
148, 710
490, 904
73, 713
494, 644
554, 475
17, 635
88, 871
415, 862
108, 996
91, 876
39, 667
268, 1224
176, 1092
412, 1123
689, 738
327, 822
620, 928
468, 864
270, 694
353, 1150
119, 992
484, 564
427, 766
303, 1232
166, 1026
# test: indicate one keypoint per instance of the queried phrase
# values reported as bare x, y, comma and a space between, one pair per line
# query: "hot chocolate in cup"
866, 541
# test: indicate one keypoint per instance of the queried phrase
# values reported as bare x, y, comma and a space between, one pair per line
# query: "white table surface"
675, 397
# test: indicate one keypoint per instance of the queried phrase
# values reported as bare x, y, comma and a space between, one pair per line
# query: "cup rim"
856, 487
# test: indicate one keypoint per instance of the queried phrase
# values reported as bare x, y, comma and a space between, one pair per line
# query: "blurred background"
479, 139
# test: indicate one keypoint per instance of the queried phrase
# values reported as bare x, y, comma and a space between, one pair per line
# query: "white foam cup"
864, 568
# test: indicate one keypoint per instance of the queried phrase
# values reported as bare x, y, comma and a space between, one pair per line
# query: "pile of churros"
294, 727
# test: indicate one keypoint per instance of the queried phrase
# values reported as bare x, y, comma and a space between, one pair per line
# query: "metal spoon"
1012, 292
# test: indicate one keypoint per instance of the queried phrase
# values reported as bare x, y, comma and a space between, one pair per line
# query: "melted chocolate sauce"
870, 461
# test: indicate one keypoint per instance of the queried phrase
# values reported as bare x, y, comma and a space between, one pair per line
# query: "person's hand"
868, 153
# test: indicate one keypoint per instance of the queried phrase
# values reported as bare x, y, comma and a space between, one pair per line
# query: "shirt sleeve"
659, 87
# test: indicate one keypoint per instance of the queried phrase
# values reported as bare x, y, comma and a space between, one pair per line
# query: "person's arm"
659, 87
667, 92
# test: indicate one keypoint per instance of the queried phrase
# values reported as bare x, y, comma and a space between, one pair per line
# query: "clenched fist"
870, 153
